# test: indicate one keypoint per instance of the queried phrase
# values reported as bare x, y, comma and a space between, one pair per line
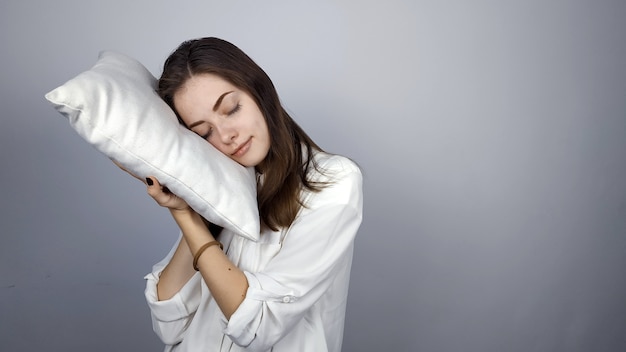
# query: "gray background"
492, 136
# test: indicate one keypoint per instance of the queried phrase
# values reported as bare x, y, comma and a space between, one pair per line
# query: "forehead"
199, 93
204, 85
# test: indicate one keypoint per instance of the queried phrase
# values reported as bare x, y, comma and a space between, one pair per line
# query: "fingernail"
149, 181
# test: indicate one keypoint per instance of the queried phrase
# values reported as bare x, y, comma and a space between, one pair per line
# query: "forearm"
227, 283
177, 272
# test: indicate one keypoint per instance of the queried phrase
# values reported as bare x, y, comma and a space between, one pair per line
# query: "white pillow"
114, 107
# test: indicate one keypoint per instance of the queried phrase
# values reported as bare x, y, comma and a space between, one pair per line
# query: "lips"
242, 149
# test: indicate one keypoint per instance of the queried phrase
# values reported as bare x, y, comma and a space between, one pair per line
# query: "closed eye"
234, 110
206, 135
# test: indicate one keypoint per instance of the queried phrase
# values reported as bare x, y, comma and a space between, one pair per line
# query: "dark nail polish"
149, 181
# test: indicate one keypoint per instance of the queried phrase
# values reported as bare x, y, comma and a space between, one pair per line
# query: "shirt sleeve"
317, 247
171, 317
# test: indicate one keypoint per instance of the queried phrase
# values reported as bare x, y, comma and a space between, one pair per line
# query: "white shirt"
298, 279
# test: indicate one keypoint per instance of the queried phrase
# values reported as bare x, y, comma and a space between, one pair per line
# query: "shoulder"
341, 181
332, 167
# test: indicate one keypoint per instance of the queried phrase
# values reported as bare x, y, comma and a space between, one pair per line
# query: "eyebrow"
215, 107
219, 100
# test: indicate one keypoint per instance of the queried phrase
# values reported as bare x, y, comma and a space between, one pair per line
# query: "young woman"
288, 291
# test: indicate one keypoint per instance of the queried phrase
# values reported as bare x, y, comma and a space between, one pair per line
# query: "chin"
247, 163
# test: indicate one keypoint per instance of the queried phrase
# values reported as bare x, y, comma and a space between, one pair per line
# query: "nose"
226, 133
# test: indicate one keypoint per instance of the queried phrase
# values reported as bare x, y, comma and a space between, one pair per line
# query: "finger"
156, 191
163, 196
154, 187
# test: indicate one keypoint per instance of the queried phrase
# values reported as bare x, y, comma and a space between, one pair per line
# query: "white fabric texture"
298, 280
115, 108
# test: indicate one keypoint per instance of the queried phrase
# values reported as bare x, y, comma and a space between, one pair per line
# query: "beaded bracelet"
202, 249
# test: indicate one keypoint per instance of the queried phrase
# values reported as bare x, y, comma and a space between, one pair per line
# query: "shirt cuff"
245, 321
183, 304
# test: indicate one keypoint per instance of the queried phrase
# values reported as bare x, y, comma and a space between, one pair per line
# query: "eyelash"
230, 113
234, 110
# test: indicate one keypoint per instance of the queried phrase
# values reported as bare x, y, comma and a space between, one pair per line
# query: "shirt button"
286, 299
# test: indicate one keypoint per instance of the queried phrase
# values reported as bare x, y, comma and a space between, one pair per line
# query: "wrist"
193, 227
186, 218
182, 213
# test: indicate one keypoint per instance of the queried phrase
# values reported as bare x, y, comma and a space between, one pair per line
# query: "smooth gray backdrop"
492, 136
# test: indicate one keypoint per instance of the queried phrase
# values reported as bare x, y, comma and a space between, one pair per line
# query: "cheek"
217, 145
262, 127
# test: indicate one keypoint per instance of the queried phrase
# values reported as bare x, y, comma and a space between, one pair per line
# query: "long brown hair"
285, 168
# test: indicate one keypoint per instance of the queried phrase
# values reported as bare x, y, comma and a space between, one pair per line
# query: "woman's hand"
164, 197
